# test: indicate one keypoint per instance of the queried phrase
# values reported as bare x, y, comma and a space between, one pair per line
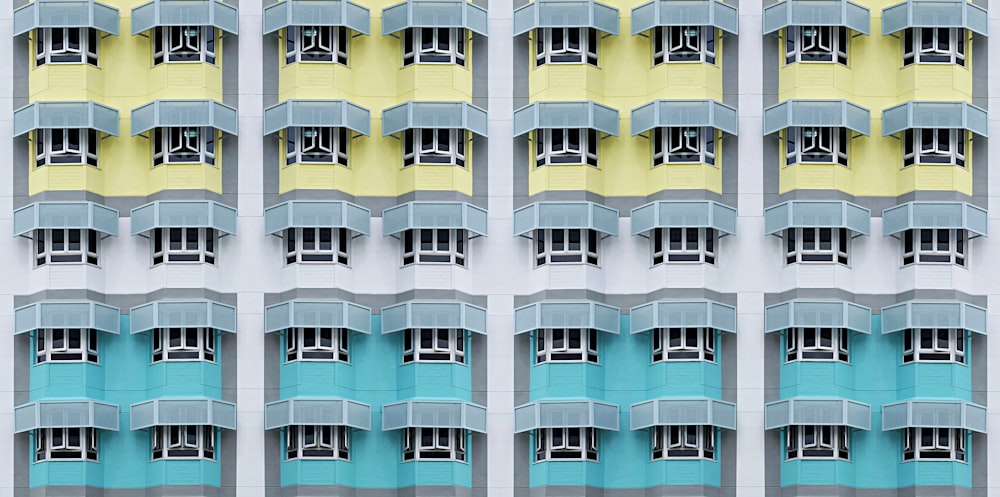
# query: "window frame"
49, 248
684, 245
547, 249
87, 447
952, 52
191, 344
48, 349
332, 143
837, 442
198, 145
179, 438
554, 444
453, 445
335, 349
925, 246
427, 146
328, 442
416, 348
75, 146
171, 44
204, 250
306, 246
836, 349
335, 49
805, 246
928, 148
680, 344
85, 52
954, 448
553, 48
555, 345
838, 38
685, 442
417, 50
675, 145
837, 140
583, 151
669, 44
435, 246
936, 345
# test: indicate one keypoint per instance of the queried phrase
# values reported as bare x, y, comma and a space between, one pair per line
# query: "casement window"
565, 146
434, 146
683, 245
566, 345
62, 444
934, 146
317, 245
183, 44
317, 442
934, 444
316, 44
818, 442
430, 245
566, 46
66, 345
683, 44
934, 345
316, 145
183, 245
683, 145
566, 245
184, 145
317, 344
817, 245
183, 344
436, 444
66, 245
66, 46
184, 442
434, 46
935, 245
683, 344
934, 46
816, 44
434, 345
816, 145
58, 146
683, 442
817, 344
561, 444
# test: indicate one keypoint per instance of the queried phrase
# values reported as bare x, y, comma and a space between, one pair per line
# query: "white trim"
679, 245
566, 146
684, 344
184, 145
684, 44
317, 245
183, 442
435, 444
935, 345
816, 145
434, 46
73, 46
934, 444
57, 345
316, 145
66, 246
316, 44
434, 345
317, 442
935, 246
441, 147
55, 444
816, 44
435, 246
943, 46
58, 146
184, 44
566, 246
939, 147
566, 444
317, 344
817, 344
173, 245
566, 46
683, 442
809, 245
184, 344
817, 442
566, 345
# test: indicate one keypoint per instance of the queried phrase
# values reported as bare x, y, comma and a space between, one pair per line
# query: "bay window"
63, 444
430, 245
566, 444
66, 245
434, 146
566, 345
930, 245
561, 245
184, 442
816, 44
317, 442
683, 245
683, 145
934, 444
316, 44
816, 145
684, 442
183, 44
435, 444
316, 145
683, 344
184, 145
434, 345
934, 345
683, 44
817, 442
66, 345
934, 146
934, 46
566, 46
56, 146
565, 146
183, 245
317, 344
817, 245
183, 344
817, 344
434, 46
317, 245
66, 46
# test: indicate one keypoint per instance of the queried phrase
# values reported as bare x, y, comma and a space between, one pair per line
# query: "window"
683, 245
934, 345
317, 344
817, 245
566, 444
317, 245
816, 44
934, 444
317, 442
183, 344
935, 245
60, 444
684, 442
434, 146
684, 44
434, 444
683, 344
566, 46
312, 145
57, 146
55, 246
66, 345
184, 442
565, 146
934, 45
66, 46
566, 245
816, 145
566, 345
183, 44
316, 44
431, 245
934, 146
434, 46
184, 245
683, 145
184, 145
817, 344
434, 345
818, 442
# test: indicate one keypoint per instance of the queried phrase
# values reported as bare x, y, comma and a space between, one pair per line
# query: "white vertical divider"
8, 248
991, 246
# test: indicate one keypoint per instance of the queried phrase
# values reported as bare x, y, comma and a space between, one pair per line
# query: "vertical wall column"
7, 247
991, 246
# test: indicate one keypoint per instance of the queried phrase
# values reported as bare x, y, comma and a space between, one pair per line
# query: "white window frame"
184, 344
817, 245
938, 147
684, 44
684, 145
567, 345
61, 146
183, 442
184, 245
317, 344
556, 444
316, 145
317, 442
317, 245
818, 442
184, 44
66, 46
435, 246
566, 246
66, 246
557, 46
934, 444
434, 345
67, 345
184, 145
935, 345
678, 245
817, 44
434, 46
683, 442
434, 444
316, 44
684, 344
560, 146
935, 246
55, 444
817, 145
934, 46
439, 147
817, 344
